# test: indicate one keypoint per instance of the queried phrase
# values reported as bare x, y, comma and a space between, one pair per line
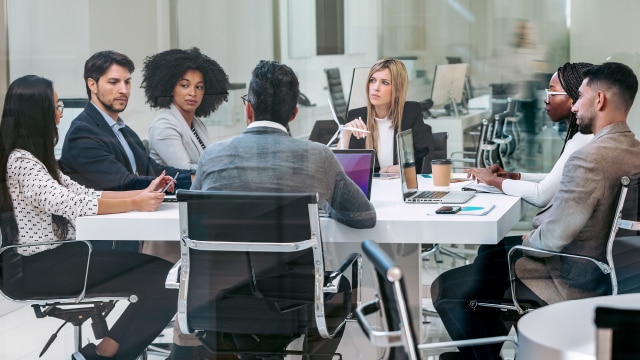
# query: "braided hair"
571, 76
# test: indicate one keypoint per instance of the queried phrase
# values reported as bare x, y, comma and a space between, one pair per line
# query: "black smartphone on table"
448, 209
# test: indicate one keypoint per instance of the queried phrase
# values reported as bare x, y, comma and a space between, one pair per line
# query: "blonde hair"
399, 85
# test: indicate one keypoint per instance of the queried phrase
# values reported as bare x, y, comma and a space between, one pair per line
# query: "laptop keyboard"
431, 194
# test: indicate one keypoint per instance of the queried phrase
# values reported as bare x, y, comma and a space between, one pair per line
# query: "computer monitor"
448, 84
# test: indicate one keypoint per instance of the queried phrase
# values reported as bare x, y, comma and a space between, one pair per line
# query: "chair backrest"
438, 150
623, 253
617, 333
242, 255
323, 130
337, 93
393, 297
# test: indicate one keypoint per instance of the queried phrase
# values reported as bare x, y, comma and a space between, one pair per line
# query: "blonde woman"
387, 112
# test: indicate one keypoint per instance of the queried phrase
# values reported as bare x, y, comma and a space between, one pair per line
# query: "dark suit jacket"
93, 156
411, 119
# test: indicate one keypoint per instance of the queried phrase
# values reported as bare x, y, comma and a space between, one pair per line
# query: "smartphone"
448, 210
170, 182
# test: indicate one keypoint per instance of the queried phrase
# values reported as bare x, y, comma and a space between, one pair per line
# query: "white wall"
600, 33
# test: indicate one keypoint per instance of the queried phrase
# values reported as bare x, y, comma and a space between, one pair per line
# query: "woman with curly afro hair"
188, 85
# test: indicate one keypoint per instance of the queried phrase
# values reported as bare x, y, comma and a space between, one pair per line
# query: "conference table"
400, 228
566, 330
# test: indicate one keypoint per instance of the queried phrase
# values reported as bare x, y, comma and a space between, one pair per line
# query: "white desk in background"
456, 126
566, 330
400, 227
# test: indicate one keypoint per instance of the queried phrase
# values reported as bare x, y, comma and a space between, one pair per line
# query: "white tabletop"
566, 330
397, 222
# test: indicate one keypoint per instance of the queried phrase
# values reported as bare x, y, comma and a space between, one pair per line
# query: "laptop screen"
408, 175
358, 165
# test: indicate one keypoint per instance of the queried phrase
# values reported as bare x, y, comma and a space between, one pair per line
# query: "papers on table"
482, 188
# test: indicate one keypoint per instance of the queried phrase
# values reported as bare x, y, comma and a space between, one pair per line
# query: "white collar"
267, 123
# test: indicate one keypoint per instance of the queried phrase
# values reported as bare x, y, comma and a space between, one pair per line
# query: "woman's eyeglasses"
549, 93
60, 106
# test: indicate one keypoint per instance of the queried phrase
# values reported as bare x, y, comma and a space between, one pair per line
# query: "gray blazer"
579, 217
268, 159
171, 142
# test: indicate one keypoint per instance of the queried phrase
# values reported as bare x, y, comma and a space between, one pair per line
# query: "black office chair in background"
617, 333
323, 131
252, 265
337, 93
397, 335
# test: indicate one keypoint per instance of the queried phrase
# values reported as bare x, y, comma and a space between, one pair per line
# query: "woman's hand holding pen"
356, 124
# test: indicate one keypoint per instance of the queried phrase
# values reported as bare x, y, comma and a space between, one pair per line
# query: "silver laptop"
409, 178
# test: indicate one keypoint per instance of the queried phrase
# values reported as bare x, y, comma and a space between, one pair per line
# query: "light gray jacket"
171, 142
579, 217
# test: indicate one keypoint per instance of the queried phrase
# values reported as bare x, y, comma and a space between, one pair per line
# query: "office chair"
75, 309
617, 333
337, 93
625, 223
252, 265
399, 338
323, 131
483, 154
437, 150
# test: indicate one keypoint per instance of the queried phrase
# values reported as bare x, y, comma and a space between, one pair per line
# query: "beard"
109, 106
585, 124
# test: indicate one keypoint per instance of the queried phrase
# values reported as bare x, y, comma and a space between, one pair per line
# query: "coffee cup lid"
440, 161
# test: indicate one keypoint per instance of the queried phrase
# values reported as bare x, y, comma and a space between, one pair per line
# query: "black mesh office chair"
252, 265
323, 131
337, 93
625, 225
391, 302
75, 309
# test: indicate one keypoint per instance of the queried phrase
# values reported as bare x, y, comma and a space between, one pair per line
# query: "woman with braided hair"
187, 85
538, 188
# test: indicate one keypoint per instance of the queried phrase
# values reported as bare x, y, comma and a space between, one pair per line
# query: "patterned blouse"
36, 196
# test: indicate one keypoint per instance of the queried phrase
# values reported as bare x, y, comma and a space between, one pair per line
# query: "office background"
53, 38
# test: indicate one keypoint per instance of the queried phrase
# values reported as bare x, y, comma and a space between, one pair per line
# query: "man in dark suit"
99, 150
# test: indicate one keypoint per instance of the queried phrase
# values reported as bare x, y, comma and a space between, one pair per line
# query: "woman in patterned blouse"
40, 204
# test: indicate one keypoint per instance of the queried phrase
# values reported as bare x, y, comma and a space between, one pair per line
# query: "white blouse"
36, 196
538, 188
385, 142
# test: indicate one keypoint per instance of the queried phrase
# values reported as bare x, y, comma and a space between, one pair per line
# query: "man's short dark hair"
617, 77
100, 62
273, 92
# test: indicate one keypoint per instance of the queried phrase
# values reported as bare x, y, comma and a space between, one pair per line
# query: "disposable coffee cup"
441, 172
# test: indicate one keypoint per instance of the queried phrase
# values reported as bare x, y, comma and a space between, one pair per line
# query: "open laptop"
358, 165
409, 178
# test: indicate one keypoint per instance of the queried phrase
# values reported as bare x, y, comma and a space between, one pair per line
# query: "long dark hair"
28, 123
571, 76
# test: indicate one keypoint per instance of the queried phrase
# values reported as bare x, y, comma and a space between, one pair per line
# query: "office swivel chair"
398, 338
71, 308
252, 265
625, 225
337, 93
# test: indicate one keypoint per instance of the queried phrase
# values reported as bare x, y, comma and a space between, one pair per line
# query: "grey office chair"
252, 265
625, 224
398, 338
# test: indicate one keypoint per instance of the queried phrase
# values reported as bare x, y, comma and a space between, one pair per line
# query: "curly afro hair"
162, 71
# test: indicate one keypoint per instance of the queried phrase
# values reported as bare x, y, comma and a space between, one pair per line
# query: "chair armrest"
173, 277
629, 225
376, 337
332, 281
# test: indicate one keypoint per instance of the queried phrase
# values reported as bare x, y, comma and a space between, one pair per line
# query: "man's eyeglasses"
549, 93
60, 106
245, 99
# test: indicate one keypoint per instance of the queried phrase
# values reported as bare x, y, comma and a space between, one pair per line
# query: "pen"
170, 182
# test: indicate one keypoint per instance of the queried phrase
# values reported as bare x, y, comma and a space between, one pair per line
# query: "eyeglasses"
60, 106
245, 99
548, 94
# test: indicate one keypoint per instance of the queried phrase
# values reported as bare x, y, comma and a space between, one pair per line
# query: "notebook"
358, 165
409, 178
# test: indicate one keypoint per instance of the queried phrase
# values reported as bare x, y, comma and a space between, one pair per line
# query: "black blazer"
411, 119
93, 156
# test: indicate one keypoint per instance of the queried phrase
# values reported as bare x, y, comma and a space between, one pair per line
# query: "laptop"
358, 165
409, 178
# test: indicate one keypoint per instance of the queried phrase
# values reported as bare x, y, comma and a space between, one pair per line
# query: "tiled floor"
22, 336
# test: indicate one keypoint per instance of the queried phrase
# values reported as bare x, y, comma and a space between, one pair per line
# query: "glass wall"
503, 41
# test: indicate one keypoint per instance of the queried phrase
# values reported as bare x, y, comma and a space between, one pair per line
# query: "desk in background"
400, 228
566, 330
457, 127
